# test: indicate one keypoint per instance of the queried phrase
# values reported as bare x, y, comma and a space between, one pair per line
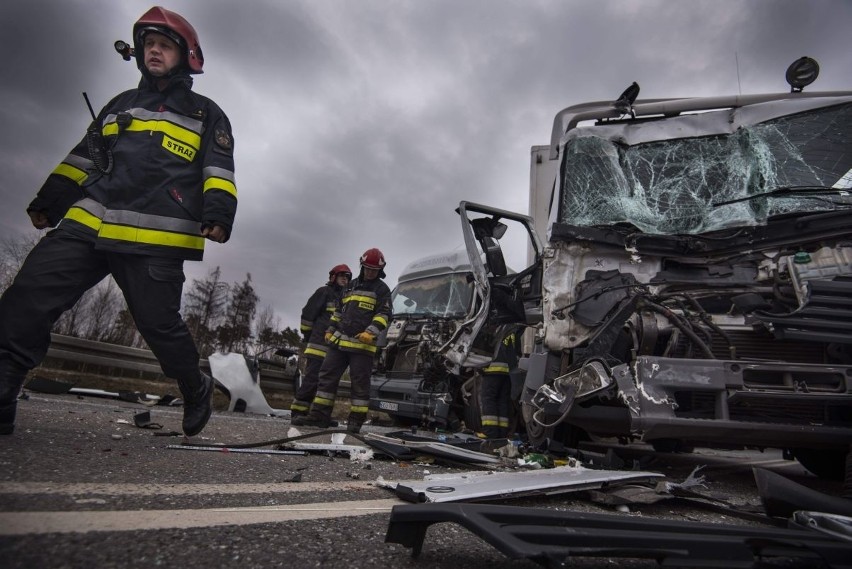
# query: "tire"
828, 464
472, 408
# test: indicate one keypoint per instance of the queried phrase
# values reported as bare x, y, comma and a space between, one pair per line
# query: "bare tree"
73, 321
13, 251
104, 305
266, 330
235, 333
204, 309
123, 331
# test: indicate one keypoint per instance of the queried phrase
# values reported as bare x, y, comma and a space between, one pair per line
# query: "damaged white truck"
695, 286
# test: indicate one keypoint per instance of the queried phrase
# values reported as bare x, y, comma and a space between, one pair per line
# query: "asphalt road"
82, 486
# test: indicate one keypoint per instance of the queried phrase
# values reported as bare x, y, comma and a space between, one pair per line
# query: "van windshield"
447, 296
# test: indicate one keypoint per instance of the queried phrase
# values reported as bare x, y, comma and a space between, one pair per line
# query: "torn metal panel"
496, 485
231, 372
438, 449
781, 497
839, 527
550, 538
225, 449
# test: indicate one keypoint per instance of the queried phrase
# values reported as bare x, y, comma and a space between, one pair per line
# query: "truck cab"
412, 382
695, 284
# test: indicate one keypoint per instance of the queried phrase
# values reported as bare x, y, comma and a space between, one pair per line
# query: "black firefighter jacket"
316, 316
169, 157
365, 307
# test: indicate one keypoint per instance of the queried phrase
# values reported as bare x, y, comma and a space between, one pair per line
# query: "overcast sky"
363, 123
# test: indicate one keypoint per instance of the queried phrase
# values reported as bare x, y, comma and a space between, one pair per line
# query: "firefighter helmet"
373, 259
173, 26
332, 274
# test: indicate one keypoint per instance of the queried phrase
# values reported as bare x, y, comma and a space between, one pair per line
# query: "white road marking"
73, 489
21, 523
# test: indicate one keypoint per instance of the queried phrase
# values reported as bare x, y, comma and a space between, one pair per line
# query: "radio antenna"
88, 104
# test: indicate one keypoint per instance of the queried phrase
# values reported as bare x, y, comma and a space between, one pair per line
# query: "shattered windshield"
447, 296
671, 186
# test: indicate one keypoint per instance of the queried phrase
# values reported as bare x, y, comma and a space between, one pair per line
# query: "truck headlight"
591, 377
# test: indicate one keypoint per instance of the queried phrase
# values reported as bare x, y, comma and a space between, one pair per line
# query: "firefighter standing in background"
152, 179
496, 391
351, 337
316, 316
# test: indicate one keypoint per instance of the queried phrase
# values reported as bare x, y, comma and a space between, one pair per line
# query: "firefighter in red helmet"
363, 315
316, 315
151, 181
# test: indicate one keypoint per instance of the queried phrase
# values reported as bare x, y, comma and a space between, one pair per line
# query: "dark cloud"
363, 123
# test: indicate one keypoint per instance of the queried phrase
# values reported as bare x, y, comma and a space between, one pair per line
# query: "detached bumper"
403, 398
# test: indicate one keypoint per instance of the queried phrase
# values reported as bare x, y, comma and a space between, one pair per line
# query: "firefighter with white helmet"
151, 181
364, 313
316, 316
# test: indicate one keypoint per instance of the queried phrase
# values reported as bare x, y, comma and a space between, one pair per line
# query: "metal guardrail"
69, 348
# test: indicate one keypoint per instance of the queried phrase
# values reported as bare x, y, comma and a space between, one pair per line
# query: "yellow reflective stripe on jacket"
122, 225
380, 319
219, 179
75, 174
366, 302
184, 135
150, 236
80, 215
220, 184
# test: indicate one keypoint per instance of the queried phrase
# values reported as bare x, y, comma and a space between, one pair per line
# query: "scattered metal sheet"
438, 449
550, 537
326, 447
232, 373
45, 385
496, 485
143, 421
237, 450
56, 387
782, 497
839, 527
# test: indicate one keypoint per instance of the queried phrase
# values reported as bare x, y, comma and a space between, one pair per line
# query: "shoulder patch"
223, 139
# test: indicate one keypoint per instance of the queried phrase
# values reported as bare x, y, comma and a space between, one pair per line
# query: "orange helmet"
373, 259
173, 26
332, 274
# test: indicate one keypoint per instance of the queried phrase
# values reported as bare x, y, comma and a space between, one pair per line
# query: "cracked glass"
675, 186
447, 296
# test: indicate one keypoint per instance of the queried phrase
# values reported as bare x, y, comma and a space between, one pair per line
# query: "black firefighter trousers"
61, 267
360, 366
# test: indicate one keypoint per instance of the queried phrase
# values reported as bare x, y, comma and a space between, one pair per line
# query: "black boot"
353, 425
11, 379
197, 405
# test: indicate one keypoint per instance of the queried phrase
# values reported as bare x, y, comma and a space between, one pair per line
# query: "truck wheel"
472, 408
536, 434
828, 464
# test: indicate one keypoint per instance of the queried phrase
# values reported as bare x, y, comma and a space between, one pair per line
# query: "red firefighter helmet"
171, 25
332, 274
373, 259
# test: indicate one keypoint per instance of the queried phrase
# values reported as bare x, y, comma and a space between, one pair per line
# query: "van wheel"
828, 464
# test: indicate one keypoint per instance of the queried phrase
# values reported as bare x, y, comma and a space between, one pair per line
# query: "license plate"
388, 406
